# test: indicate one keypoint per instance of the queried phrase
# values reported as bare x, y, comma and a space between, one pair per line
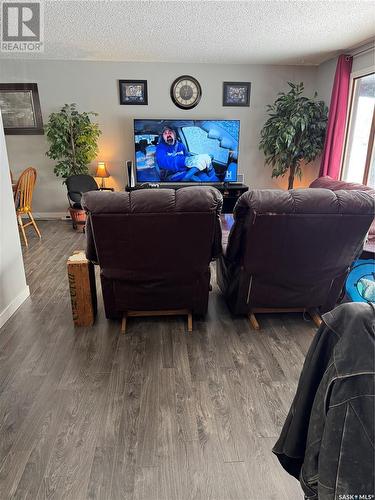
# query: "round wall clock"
186, 92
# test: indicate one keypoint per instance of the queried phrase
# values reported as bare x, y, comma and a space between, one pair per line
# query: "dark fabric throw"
327, 441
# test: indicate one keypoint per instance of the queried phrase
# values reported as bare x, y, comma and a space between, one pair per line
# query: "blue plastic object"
363, 269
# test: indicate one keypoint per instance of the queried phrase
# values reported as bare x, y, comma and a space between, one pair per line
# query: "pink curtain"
334, 142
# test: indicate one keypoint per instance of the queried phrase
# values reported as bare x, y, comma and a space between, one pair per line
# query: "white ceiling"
258, 32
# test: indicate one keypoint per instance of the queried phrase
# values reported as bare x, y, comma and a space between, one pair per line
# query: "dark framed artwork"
236, 93
20, 109
133, 92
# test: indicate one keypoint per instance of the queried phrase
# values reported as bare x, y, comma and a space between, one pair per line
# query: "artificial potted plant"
294, 132
73, 139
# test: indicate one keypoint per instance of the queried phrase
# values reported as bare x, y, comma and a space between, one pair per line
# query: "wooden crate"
82, 287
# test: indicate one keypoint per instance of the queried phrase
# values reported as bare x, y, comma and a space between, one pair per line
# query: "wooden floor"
157, 414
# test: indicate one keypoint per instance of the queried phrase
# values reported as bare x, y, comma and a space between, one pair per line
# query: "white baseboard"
14, 305
50, 215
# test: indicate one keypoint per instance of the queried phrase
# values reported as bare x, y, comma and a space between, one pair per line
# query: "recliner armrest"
217, 249
91, 254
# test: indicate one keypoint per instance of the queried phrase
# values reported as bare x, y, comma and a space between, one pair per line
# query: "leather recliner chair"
326, 182
292, 249
154, 247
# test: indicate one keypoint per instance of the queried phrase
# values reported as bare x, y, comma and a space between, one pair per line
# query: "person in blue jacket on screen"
174, 159
171, 155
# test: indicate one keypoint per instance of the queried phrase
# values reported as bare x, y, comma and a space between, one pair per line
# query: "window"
199, 142
359, 158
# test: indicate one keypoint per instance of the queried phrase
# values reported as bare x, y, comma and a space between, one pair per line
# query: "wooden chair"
23, 196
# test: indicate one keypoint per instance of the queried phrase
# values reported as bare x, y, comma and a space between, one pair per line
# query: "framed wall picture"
133, 92
236, 93
20, 108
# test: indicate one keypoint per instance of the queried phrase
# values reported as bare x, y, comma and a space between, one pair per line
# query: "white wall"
94, 87
13, 288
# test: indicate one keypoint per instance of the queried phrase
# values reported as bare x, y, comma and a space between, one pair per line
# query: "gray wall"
326, 72
364, 60
93, 86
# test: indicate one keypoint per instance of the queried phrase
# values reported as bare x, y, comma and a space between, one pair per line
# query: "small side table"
82, 286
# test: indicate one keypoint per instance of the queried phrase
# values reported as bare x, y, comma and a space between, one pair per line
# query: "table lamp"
101, 172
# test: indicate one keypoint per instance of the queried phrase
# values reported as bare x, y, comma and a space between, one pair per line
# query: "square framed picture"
20, 109
236, 93
133, 92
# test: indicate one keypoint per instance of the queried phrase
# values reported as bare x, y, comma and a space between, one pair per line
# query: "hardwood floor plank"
74, 448
45, 435
11, 470
101, 474
92, 354
26, 437
263, 361
214, 430
280, 484
167, 345
125, 452
150, 397
15, 403
146, 484
167, 441
301, 335
186, 419
153, 415
196, 346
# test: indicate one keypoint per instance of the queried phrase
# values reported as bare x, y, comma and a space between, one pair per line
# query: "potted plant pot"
78, 217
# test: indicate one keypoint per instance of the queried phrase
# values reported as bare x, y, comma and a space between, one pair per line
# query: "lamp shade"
101, 171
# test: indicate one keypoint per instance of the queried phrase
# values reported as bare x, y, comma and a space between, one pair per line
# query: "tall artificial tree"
73, 139
294, 132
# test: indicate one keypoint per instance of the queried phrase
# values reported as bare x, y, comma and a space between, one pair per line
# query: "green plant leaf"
73, 139
294, 132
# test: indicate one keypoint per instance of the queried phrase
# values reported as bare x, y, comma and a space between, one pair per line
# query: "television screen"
186, 150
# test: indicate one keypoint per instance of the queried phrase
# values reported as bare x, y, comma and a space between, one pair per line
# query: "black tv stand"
230, 191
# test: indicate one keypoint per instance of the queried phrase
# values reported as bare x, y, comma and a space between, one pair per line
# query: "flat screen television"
174, 151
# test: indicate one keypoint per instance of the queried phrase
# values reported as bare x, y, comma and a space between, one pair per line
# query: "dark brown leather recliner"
292, 249
327, 182
154, 247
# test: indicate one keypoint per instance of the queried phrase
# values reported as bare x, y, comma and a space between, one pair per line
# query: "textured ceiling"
276, 32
